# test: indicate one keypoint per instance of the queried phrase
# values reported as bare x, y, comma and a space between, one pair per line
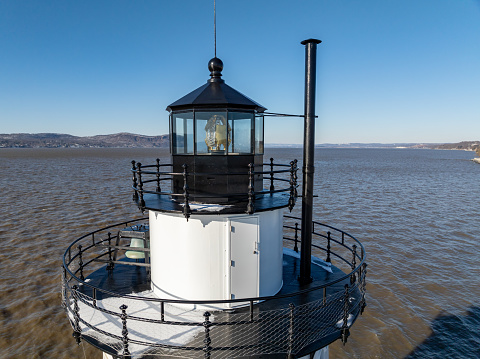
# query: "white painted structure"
216, 257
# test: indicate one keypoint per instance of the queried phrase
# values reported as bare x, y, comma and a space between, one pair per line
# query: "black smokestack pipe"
308, 160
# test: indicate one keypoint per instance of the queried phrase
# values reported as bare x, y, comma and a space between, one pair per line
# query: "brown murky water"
416, 212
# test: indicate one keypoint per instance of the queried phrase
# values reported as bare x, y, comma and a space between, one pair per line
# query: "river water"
415, 211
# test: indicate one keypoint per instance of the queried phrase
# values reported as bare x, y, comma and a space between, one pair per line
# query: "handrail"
219, 301
141, 179
212, 173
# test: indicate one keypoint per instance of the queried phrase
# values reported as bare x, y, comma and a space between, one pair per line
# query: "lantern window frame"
256, 145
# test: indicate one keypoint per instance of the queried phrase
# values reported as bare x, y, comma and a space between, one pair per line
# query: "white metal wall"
193, 260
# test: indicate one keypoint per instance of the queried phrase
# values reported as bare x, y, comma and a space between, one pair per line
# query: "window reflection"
183, 133
259, 134
241, 124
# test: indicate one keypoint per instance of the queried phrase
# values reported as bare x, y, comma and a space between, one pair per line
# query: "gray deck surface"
262, 203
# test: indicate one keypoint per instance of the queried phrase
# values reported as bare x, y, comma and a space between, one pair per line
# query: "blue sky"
388, 71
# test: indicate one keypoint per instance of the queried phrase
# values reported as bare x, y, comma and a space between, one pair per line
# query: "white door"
244, 258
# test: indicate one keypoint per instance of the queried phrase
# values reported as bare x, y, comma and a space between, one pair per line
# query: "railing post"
295, 248
158, 189
353, 277
328, 247
64, 286
251, 311
110, 261
80, 262
207, 341
123, 308
76, 316
186, 206
141, 205
162, 311
251, 189
293, 198
295, 177
94, 297
272, 187
290, 331
134, 178
346, 307
363, 303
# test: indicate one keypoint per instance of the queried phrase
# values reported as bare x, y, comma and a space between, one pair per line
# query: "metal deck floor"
262, 203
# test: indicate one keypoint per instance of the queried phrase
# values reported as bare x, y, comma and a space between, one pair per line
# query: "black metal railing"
334, 308
155, 180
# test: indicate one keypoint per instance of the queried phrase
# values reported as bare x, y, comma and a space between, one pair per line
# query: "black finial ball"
215, 66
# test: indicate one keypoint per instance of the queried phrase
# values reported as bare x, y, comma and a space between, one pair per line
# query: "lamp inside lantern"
218, 133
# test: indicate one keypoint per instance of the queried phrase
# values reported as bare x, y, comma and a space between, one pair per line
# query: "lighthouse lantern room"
215, 270
216, 129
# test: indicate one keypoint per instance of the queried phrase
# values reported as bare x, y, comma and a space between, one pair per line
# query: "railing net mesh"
184, 333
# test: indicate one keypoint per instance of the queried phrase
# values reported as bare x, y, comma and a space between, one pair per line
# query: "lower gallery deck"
296, 325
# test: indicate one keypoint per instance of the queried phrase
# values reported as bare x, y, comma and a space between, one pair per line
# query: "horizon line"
266, 144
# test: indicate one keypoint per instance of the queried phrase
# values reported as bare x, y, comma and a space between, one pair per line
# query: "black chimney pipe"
308, 160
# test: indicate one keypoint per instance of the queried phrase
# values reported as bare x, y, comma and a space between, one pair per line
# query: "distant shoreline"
317, 147
131, 140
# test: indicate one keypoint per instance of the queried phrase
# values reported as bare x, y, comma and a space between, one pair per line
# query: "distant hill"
57, 140
464, 145
377, 145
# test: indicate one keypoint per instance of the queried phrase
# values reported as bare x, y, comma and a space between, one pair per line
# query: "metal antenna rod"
215, 26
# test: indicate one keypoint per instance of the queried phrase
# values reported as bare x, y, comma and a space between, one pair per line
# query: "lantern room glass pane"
213, 132
259, 134
241, 124
183, 133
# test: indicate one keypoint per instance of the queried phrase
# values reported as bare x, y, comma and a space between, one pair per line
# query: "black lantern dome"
215, 129
215, 93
